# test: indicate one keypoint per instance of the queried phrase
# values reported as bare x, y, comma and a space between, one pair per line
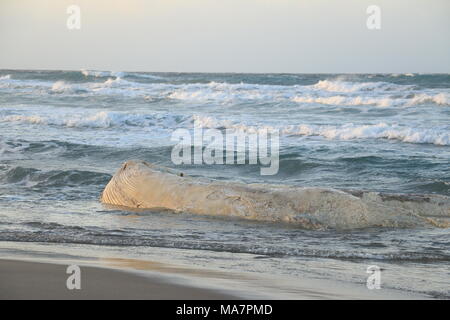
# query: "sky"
257, 36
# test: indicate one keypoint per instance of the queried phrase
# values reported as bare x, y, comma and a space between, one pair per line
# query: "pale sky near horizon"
292, 36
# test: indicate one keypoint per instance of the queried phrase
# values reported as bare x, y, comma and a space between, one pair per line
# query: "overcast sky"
227, 36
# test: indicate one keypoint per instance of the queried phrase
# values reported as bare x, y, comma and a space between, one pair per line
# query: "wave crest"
31, 177
99, 119
101, 74
346, 86
437, 135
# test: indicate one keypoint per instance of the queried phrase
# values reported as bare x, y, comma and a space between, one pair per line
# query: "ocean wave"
25, 85
327, 92
396, 75
347, 86
64, 87
437, 135
109, 119
119, 74
423, 98
229, 93
442, 99
96, 119
225, 92
144, 76
101, 74
7, 147
31, 177
348, 101
111, 86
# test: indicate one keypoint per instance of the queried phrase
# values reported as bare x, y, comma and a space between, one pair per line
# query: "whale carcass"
139, 184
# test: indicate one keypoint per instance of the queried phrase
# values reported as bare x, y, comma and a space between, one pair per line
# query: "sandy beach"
31, 280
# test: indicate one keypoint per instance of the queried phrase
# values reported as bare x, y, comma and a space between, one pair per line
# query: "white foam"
326, 92
98, 118
107, 87
345, 86
435, 135
442, 99
101, 74
146, 76
118, 74
225, 92
35, 119
423, 98
60, 86
438, 136
111, 83
94, 119
319, 93
347, 101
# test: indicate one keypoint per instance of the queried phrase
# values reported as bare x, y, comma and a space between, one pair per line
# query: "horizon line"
225, 72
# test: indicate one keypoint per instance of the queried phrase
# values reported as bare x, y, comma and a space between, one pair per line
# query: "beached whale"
138, 184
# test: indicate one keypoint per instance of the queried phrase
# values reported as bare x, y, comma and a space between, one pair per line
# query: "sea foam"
381, 130
347, 86
325, 92
439, 135
94, 119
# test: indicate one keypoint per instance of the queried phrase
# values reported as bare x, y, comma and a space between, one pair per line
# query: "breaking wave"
345, 86
439, 99
31, 177
99, 119
439, 135
105, 74
436, 135
107, 87
346, 101
101, 74
327, 92
339, 100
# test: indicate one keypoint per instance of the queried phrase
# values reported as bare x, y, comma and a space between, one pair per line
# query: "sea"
63, 135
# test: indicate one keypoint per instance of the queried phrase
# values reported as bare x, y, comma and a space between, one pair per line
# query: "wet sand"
35, 280
32, 280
